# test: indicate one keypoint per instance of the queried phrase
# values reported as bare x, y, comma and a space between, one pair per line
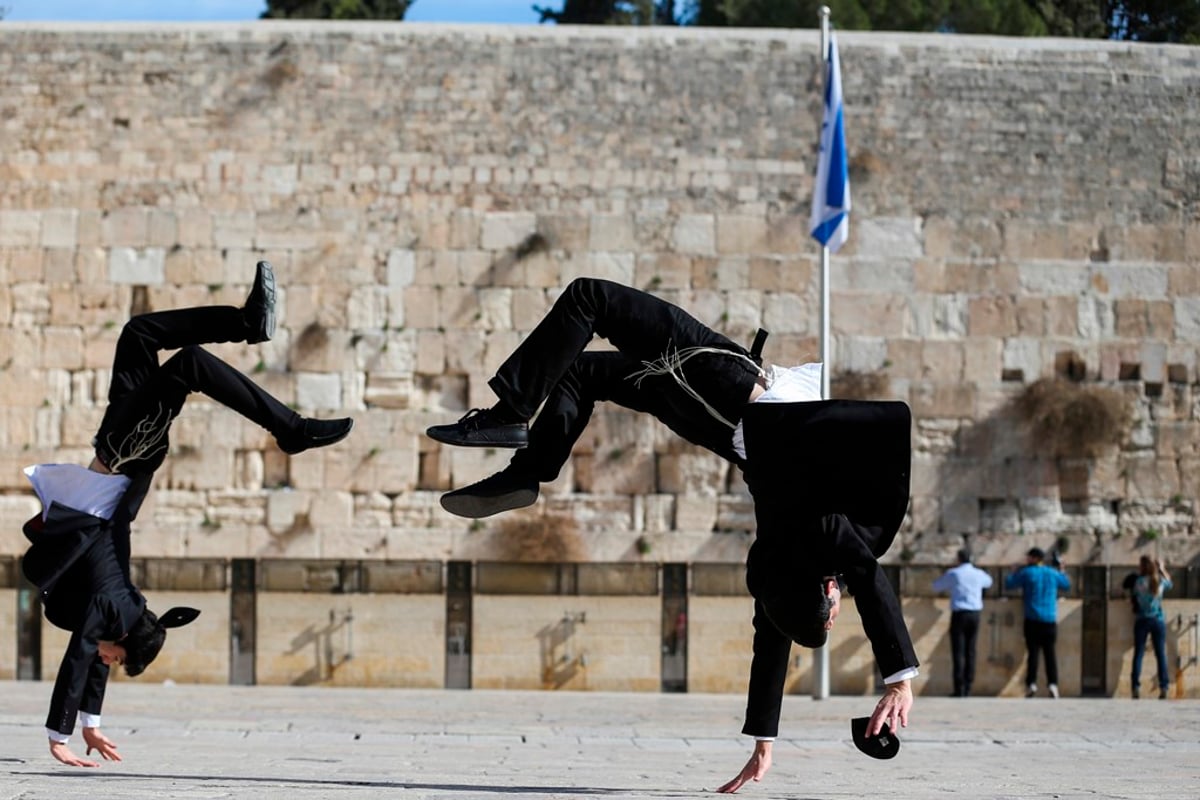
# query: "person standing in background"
1148, 621
966, 584
1039, 585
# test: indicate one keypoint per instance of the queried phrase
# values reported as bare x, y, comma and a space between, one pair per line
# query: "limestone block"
863, 314
1151, 477
695, 234
194, 227
318, 391
15, 510
741, 234
20, 426
422, 306
887, 238
695, 513
1187, 319
528, 308
694, 474
611, 232
401, 268
619, 472
162, 228
944, 361
1054, 279
62, 348
234, 230
20, 228
126, 227
656, 511
430, 353
735, 513
497, 347
470, 464
332, 511
618, 267
31, 305
60, 228
388, 391
506, 230
210, 467
982, 360
595, 513
284, 506
1025, 355
321, 348
992, 316
493, 309
860, 354
787, 312
565, 231
1148, 282
935, 399
142, 267
464, 352
367, 308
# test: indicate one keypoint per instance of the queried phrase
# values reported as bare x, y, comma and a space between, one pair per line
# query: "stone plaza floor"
301, 742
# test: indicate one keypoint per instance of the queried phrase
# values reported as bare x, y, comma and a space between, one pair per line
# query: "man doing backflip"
79, 557
715, 393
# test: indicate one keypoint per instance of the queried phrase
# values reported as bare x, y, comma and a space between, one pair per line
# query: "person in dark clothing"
80, 550
717, 394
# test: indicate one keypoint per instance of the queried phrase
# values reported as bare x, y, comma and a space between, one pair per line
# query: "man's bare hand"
892, 708
97, 741
754, 770
63, 753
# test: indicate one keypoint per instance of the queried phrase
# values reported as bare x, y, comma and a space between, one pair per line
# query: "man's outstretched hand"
892, 708
97, 741
63, 753
754, 770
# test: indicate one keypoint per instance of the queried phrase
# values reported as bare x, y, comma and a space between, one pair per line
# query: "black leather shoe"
503, 491
478, 428
315, 433
259, 310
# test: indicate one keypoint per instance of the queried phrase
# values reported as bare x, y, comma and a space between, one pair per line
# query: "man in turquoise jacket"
1039, 585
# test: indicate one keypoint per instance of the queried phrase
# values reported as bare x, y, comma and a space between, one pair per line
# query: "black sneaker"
503, 491
315, 433
479, 428
259, 310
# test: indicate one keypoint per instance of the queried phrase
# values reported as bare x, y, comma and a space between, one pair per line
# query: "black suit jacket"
81, 565
830, 482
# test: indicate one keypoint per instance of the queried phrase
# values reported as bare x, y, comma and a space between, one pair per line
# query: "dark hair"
143, 643
1036, 553
801, 615
964, 556
791, 591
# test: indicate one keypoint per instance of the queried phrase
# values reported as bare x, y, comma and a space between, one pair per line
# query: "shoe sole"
267, 275
475, 507
508, 444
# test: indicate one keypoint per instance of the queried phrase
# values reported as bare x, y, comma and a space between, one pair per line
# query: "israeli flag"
830, 224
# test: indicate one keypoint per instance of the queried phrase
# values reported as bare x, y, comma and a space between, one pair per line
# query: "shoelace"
473, 418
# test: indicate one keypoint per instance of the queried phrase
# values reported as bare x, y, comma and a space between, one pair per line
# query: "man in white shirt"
700, 384
80, 551
966, 584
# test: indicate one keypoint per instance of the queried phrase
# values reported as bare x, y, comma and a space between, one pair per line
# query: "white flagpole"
820, 689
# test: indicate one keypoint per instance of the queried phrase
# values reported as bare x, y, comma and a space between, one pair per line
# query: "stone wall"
425, 191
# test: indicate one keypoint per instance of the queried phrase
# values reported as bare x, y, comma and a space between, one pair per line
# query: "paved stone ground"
300, 743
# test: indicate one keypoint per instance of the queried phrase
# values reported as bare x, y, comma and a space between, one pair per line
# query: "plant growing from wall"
548, 538
854, 385
1066, 419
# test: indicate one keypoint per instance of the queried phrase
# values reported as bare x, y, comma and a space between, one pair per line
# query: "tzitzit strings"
671, 363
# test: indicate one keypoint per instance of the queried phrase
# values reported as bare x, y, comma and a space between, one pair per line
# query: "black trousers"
144, 397
964, 628
551, 366
1041, 636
